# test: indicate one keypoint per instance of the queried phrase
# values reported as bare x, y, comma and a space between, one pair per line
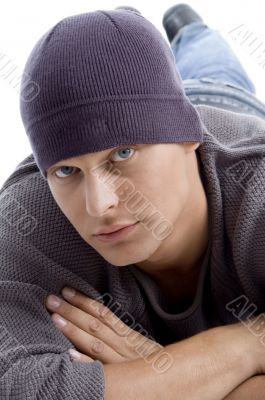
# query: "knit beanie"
99, 80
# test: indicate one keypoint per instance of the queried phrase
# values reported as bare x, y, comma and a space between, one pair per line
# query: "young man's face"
163, 176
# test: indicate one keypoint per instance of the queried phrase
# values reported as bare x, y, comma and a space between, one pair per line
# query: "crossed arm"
253, 388
220, 363
203, 369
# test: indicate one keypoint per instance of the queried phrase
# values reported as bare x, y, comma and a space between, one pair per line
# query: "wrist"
252, 388
243, 346
212, 362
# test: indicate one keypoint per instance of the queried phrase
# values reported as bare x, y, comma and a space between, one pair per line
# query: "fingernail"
68, 292
53, 301
60, 322
75, 354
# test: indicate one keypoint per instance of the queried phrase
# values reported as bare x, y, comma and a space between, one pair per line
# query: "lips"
118, 235
114, 228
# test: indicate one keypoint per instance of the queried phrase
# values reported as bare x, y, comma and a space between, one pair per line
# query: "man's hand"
98, 333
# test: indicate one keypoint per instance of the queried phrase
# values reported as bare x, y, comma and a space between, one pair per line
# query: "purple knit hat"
99, 80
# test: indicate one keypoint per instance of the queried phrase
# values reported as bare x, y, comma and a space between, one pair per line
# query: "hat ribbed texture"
103, 79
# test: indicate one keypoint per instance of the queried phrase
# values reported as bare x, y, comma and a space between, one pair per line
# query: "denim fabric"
212, 73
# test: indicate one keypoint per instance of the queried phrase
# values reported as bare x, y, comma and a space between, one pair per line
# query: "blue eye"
124, 152
65, 168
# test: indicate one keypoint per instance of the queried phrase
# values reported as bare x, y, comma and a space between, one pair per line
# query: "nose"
100, 196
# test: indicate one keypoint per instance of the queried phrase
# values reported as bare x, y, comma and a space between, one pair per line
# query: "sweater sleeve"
248, 233
34, 359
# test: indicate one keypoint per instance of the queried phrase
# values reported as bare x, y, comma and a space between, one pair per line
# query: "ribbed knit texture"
103, 79
41, 252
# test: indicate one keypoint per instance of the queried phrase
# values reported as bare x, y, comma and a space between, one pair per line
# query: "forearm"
253, 388
208, 366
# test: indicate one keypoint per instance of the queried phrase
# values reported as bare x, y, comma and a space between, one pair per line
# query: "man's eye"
66, 171
124, 153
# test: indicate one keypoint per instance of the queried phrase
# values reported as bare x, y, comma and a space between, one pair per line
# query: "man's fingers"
79, 357
96, 309
88, 344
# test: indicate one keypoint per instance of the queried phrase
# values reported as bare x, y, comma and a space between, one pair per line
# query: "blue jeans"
211, 72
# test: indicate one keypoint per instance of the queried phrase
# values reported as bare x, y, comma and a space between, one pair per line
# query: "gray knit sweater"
41, 252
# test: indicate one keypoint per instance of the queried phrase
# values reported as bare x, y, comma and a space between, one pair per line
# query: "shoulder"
36, 239
229, 127
234, 158
26, 195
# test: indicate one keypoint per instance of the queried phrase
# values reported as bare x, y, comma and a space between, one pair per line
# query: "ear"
191, 146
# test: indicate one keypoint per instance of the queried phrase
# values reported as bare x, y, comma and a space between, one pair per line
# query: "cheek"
180, 198
172, 193
154, 196
180, 188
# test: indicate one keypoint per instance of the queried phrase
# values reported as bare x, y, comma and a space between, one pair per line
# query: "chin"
122, 261
118, 263
129, 253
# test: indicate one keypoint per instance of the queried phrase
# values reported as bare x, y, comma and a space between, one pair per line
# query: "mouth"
120, 234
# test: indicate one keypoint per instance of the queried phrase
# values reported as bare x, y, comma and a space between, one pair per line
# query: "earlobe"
196, 145
192, 146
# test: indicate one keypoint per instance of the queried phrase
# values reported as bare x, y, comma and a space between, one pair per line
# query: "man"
192, 189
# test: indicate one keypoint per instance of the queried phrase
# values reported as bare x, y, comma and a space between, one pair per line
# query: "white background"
22, 23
